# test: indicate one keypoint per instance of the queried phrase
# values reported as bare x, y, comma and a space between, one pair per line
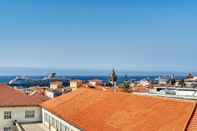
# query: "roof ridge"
191, 116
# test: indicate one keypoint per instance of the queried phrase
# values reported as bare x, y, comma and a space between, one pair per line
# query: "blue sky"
88, 34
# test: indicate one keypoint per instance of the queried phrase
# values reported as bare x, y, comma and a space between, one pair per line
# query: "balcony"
38, 126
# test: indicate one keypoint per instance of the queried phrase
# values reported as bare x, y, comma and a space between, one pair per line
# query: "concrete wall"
50, 94
61, 123
75, 84
56, 84
18, 113
186, 93
190, 84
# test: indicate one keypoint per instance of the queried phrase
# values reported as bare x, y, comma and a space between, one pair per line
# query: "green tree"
126, 82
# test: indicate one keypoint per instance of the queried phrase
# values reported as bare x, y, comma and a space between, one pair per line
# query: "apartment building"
17, 107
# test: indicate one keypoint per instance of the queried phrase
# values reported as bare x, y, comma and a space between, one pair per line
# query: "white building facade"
17, 107
54, 123
8, 115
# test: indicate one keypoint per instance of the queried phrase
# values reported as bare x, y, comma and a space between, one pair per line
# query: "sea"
6, 79
9, 73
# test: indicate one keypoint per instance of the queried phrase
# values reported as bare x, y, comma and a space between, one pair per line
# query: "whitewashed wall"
18, 113
186, 93
51, 128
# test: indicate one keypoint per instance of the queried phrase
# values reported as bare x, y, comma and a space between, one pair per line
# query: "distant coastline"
6, 79
23, 71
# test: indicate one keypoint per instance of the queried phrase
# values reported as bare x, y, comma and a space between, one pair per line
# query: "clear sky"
99, 34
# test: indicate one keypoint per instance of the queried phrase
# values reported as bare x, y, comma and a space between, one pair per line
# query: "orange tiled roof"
56, 82
41, 96
96, 80
192, 124
10, 98
94, 110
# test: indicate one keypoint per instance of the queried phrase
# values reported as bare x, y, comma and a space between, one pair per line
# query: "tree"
126, 82
189, 76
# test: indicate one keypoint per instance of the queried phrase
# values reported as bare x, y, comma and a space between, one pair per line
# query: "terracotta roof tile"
192, 124
94, 110
10, 97
41, 96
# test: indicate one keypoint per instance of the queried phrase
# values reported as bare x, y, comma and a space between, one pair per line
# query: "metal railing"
18, 126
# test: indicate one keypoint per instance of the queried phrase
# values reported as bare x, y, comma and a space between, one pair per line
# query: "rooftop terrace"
30, 127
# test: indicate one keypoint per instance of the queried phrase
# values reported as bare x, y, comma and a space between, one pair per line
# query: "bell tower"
113, 79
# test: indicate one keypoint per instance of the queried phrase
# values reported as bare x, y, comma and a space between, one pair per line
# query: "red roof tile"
192, 124
94, 110
41, 96
10, 97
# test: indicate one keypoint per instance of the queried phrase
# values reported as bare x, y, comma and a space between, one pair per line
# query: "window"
57, 125
62, 127
66, 128
29, 114
7, 128
7, 115
50, 120
46, 118
53, 122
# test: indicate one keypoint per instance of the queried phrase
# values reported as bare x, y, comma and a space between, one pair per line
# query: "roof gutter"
191, 116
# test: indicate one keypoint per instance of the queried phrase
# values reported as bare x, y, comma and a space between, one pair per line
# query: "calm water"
6, 79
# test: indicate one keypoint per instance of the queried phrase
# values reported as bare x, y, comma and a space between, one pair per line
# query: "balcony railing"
18, 126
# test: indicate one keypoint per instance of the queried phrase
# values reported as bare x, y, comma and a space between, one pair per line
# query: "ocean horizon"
23, 71
6, 79
7, 74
